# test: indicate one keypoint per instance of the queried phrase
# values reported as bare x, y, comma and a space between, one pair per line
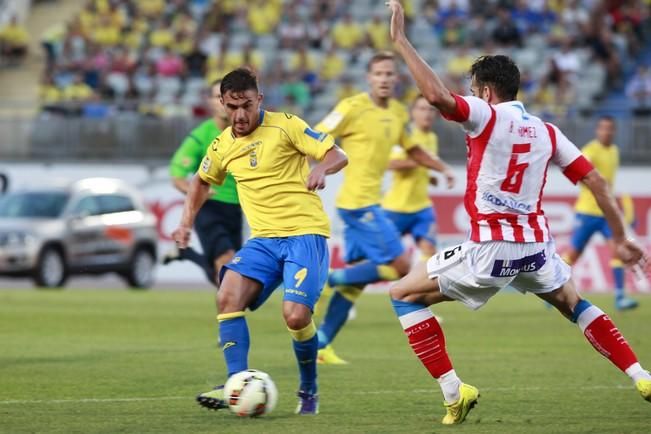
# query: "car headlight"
15, 239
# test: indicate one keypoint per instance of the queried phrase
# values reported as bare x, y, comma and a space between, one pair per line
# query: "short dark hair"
380, 56
500, 72
239, 80
608, 118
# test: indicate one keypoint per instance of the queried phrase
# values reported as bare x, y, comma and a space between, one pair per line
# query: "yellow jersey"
606, 160
270, 166
408, 192
368, 133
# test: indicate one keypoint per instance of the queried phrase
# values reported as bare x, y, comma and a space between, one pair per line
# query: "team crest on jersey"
253, 158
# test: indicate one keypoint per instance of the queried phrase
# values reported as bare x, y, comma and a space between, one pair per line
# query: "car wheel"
140, 273
50, 270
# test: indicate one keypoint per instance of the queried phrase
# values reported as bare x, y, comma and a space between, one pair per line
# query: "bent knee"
398, 290
401, 265
297, 321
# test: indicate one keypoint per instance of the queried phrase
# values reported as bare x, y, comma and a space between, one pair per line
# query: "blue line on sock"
580, 307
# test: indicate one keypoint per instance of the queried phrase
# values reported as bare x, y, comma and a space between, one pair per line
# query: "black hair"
500, 72
608, 118
239, 80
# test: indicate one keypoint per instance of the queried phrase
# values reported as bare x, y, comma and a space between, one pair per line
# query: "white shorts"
473, 272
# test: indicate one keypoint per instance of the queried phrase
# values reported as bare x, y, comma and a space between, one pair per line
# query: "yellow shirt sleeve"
337, 121
308, 141
211, 169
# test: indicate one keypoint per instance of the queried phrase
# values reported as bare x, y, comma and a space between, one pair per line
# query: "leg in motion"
411, 297
237, 293
602, 334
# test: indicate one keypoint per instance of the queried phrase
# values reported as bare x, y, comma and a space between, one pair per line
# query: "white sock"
636, 372
450, 384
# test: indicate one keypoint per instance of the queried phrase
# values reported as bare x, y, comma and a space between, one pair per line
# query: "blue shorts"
585, 227
299, 262
420, 224
369, 234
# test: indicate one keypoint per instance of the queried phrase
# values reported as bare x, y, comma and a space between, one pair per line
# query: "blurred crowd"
156, 57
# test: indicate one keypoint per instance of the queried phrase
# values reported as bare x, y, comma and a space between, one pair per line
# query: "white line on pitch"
369, 392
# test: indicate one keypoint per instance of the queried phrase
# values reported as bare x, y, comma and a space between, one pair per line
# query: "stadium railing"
127, 137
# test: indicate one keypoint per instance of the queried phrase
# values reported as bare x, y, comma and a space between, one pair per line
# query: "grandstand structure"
129, 76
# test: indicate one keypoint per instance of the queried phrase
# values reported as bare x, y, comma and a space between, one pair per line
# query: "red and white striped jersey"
509, 151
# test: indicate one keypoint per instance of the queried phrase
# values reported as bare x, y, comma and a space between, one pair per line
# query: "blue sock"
335, 318
402, 308
305, 352
234, 337
359, 274
618, 276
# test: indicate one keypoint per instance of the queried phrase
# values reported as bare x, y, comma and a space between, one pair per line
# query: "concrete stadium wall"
592, 272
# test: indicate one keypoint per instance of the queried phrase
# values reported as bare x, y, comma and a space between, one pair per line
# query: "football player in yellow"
267, 154
589, 219
369, 125
407, 203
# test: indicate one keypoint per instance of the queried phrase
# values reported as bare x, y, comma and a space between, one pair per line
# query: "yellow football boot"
457, 411
327, 356
644, 387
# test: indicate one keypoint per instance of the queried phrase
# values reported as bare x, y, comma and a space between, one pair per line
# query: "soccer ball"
250, 393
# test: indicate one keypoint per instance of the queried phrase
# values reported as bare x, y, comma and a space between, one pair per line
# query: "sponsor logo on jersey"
295, 292
236, 260
228, 345
505, 202
205, 165
511, 267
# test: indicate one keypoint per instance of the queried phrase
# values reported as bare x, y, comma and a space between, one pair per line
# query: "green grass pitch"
113, 361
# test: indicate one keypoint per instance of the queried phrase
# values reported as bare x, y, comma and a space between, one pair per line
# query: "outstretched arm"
333, 161
626, 249
426, 79
198, 193
419, 155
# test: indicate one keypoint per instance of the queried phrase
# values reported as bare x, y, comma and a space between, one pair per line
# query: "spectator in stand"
600, 40
144, 80
247, 56
292, 31
567, 64
97, 62
505, 32
378, 33
263, 16
183, 43
477, 31
575, 19
13, 41
170, 64
161, 35
453, 33
347, 34
639, 91
274, 95
305, 65
459, 64
78, 90
317, 31
295, 87
49, 93
106, 33
195, 61
151, 8
332, 65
